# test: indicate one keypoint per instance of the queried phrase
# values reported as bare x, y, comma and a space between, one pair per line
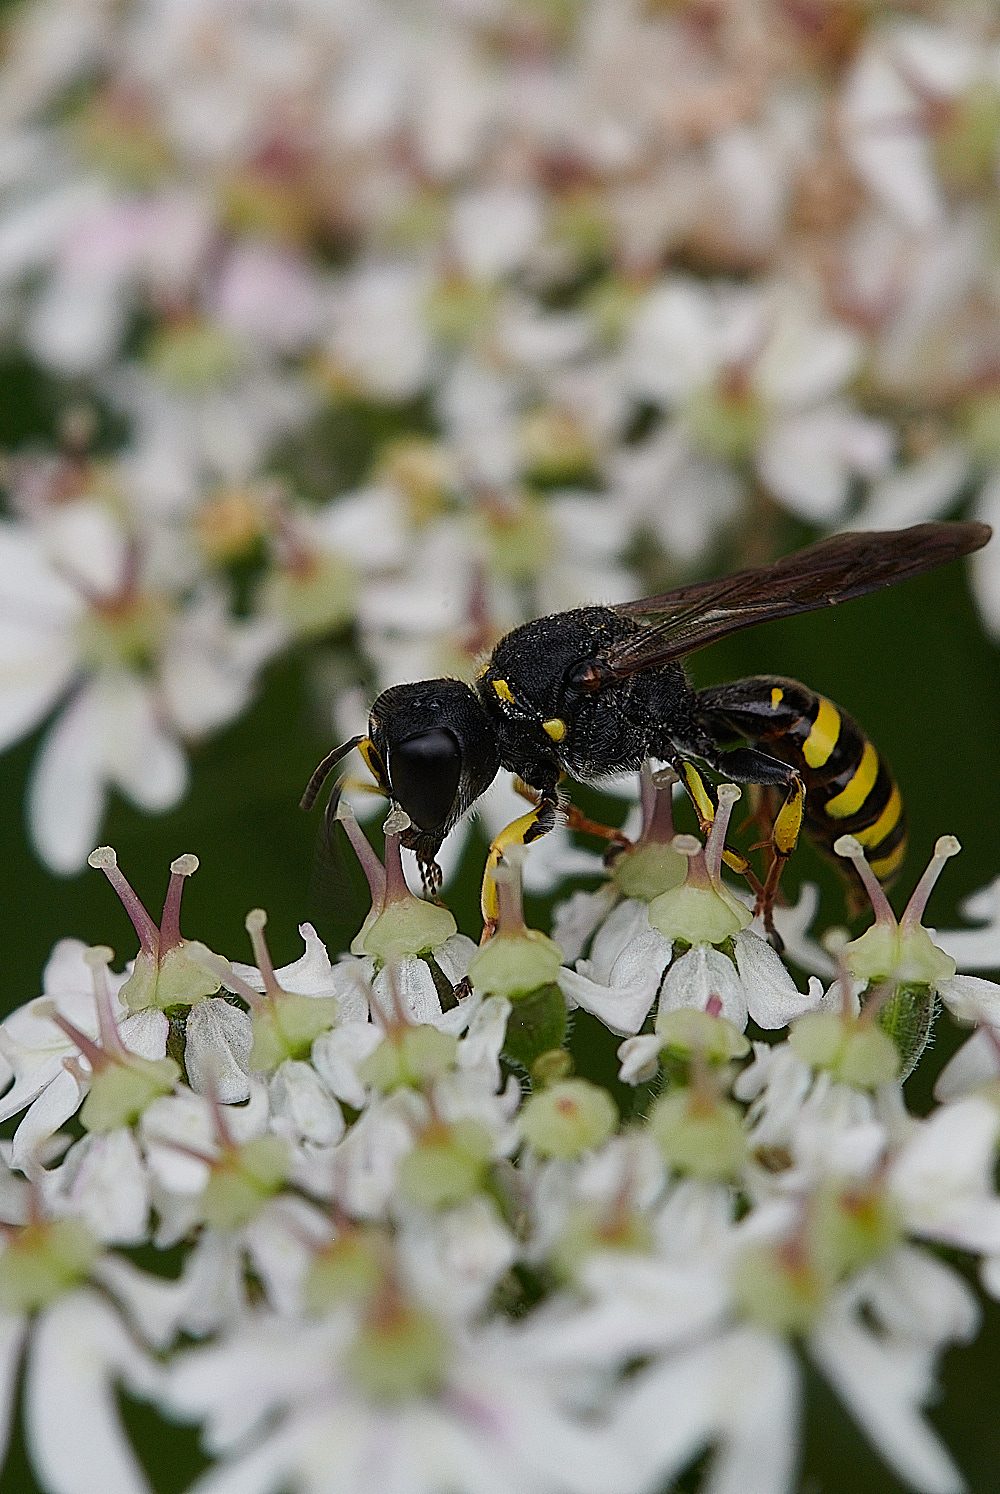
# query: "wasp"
597, 690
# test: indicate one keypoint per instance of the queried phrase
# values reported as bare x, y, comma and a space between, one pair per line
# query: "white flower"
379, 335
786, 364
36, 1049
80, 1351
628, 965
490, 1426
74, 610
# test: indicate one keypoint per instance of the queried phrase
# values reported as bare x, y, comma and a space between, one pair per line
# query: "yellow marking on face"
788, 821
554, 728
822, 739
699, 793
887, 820
777, 696
373, 761
851, 798
886, 866
502, 689
517, 833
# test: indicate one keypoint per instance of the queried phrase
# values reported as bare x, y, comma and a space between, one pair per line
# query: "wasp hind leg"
746, 765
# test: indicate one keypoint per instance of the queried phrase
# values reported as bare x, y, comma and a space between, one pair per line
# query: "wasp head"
433, 750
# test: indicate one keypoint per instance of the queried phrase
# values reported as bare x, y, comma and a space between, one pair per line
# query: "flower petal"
80, 1350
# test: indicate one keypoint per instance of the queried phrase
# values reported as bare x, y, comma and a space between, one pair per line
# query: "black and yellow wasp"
599, 689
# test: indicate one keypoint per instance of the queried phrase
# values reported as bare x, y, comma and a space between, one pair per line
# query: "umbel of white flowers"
602, 275
420, 1250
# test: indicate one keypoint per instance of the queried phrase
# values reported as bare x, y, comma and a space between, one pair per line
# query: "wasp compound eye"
425, 770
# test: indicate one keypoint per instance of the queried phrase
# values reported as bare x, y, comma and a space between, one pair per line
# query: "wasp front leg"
575, 819
520, 832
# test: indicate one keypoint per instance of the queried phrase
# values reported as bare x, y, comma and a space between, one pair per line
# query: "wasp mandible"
599, 689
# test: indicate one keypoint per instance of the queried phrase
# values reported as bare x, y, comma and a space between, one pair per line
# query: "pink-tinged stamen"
510, 904
370, 864
852, 850
226, 1140
254, 924
104, 859
656, 804
98, 959
945, 847
716, 842
396, 890
714, 1006
170, 925
92, 1052
217, 966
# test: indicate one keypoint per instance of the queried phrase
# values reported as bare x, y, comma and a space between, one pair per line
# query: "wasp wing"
834, 570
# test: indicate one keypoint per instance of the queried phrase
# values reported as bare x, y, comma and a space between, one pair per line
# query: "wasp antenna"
334, 810
324, 770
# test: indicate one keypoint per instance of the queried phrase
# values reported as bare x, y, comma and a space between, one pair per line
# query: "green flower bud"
447, 1164
552, 1065
724, 425
703, 1137
120, 1092
349, 1269
42, 1262
403, 1354
410, 1057
903, 954
698, 915
288, 1027
515, 964
314, 600
131, 635
588, 1229
777, 1291
856, 1053
176, 978
408, 927
243, 1180
647, 871
848, 1229
569, 1118
688, 1031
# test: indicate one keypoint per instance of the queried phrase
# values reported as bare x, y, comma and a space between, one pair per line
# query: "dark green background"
911, 664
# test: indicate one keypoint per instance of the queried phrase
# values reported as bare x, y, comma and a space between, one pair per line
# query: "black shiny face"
440, 753
425, 771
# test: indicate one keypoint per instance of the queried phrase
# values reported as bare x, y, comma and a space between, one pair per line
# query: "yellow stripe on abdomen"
822, 738
887, 820
886, 866
851, 798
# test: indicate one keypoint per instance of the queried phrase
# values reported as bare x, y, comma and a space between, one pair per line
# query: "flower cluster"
418, 1250
426, 318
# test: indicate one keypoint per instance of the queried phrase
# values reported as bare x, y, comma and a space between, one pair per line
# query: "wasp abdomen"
849, 787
